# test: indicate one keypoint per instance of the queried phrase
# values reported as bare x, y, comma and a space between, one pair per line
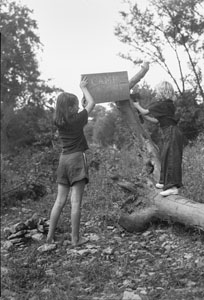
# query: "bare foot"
80, 242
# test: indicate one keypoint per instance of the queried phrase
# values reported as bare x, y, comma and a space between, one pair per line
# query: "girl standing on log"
72, 172
163, 112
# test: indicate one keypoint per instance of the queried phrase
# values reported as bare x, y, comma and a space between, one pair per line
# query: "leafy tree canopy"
21, 85
20, 76
175, 26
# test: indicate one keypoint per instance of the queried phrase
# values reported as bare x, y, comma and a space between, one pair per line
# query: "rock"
142, 291
66, 243
37, 237
188, 255
163, 237
130, 295
47, 247
200, 262
110, 227
18, 227
7, 245
40, 228
191, 283
118, 273
18, 240
46, 290
30, 233
26, 210
33, 231
83, 251
4, 271
31, 224
20, 245
94, 237
127, 283
108, 251
50, 272
33, 221
42, 221
17, 234
47, 223
92, 246
7, 231
168, 248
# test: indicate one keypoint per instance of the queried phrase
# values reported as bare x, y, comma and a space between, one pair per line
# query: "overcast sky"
78, 37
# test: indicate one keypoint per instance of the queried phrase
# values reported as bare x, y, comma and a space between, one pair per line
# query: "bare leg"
56, 210
76, 199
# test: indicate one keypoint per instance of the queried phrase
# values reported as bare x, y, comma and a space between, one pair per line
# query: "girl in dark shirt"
163, 112
72, 174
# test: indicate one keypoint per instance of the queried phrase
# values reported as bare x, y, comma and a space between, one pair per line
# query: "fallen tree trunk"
175, 208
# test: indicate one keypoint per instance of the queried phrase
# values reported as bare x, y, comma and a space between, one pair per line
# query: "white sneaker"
159, 185
172, 191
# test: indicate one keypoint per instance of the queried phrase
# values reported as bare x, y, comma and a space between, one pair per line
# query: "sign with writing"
108, 87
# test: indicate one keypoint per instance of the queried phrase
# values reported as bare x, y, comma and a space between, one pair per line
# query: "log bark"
180, 209
175, 208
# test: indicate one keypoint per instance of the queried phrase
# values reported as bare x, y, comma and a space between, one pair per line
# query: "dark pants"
171, 157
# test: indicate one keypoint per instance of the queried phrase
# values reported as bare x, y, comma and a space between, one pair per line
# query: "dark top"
164, 112
72, 134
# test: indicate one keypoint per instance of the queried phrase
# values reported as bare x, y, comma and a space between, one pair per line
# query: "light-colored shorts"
72, 168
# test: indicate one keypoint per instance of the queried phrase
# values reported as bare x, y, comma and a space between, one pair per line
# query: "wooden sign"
108, 87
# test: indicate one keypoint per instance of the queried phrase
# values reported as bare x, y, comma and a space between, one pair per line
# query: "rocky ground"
164, 262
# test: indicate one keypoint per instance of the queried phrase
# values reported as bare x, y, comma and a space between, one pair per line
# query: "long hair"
64, 108
164, 90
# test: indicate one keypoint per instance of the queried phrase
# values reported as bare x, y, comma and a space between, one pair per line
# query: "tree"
190, 114
104, 129
173, 25
98, 112
20, 77
175, 207
111, 130
20, 44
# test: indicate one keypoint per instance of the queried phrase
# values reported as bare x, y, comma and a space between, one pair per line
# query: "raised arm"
139, 75
151, 119
142, 110
88, 101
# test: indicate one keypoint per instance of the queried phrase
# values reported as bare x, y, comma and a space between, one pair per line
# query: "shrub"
190, 114
193, 170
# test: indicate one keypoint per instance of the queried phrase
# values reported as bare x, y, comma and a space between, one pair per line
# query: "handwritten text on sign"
108, 87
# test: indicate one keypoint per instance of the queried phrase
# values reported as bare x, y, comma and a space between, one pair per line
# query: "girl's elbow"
145, 112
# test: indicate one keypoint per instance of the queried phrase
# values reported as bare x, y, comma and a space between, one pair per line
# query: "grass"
60, 275
193, 171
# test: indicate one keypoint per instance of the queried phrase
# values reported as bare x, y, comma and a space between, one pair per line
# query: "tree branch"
194, 71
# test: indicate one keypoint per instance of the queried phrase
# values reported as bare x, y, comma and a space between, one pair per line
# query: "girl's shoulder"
155, 104
83, 114
161, 108
79, 118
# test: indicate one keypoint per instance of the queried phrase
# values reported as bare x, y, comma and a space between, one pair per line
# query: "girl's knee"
60, 202
76, 200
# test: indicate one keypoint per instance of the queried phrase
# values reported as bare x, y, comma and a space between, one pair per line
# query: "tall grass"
193, 170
